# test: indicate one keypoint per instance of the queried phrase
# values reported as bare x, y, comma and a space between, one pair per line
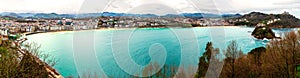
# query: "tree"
279, 59
209, 56
232, 53
215, 65
282, 57
204, 61
255, 57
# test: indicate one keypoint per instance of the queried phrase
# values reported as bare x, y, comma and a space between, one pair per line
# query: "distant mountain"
254, 18
9, 17
231, 15
15, 15
107, 14
209, 15
37, 15
85, 15
26, 14
192, 15
54, 15
93, 15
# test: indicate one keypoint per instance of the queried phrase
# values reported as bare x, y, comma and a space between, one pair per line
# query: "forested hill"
275, 20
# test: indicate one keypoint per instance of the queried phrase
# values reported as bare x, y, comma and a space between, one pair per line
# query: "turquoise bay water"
119, 53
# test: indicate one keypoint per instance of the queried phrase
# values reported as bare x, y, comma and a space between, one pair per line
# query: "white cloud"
60, 6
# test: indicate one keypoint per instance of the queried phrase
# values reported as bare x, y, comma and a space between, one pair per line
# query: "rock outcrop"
261, 32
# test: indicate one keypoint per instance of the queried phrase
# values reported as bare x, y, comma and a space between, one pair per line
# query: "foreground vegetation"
16, 63
279, 59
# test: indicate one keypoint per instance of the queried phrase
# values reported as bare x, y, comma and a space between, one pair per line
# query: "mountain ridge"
91, 15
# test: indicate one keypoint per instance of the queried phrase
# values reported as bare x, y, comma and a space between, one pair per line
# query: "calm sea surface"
119, 53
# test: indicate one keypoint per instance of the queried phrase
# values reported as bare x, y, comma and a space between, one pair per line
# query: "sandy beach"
108, 29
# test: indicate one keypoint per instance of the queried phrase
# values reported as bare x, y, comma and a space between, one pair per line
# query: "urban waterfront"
180, 50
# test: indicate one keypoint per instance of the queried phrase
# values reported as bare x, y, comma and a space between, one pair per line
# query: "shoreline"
100, 29
105, 29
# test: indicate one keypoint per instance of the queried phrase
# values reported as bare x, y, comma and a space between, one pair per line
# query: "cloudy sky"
151, 6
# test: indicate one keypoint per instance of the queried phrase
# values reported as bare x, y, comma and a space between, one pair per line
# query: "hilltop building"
286, 13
